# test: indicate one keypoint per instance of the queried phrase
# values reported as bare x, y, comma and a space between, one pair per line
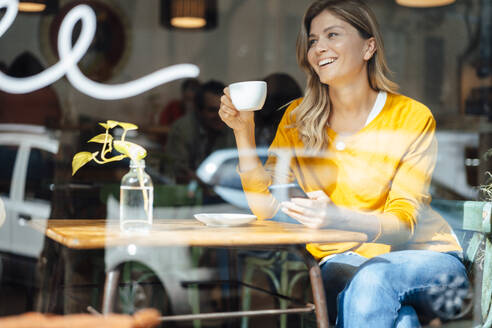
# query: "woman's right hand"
236, 120
315, 212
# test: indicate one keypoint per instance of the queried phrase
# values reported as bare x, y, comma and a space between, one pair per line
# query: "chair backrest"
472, 223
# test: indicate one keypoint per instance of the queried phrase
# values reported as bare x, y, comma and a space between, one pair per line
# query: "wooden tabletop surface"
92, 234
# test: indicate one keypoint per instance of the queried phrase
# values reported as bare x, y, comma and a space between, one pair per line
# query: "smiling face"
337, 52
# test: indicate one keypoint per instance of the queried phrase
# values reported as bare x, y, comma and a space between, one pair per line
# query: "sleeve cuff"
255, 180
392, 230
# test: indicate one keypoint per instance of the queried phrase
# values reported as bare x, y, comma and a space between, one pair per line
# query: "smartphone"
286, 191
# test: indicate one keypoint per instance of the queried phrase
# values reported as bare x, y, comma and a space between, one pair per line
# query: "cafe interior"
69, 94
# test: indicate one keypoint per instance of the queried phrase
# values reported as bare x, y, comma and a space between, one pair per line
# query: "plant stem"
144, 192
103, 153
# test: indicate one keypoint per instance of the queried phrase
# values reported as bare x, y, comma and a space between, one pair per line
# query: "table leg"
319, 298
110, 287
55, 283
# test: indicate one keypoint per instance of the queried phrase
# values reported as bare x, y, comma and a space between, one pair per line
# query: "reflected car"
219, 170
26, 174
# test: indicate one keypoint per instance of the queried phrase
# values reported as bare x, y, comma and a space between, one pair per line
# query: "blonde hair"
311, 116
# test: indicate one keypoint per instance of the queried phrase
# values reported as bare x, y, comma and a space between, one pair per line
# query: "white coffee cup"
248, 95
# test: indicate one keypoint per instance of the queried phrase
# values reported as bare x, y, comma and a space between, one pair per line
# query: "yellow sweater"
386, 167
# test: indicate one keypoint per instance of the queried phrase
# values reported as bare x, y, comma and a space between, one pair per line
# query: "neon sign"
70, 55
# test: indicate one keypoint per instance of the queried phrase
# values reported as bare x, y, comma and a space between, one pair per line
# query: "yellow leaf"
130, 149
101, 137
127, 126
80, 159
104, 125
111, 123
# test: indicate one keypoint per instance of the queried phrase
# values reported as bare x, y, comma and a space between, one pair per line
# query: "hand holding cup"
239, 101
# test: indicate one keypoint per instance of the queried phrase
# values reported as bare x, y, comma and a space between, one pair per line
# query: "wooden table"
95, 234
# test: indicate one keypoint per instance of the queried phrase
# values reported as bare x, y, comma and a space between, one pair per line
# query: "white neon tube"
9, 16
70, 56
55, 72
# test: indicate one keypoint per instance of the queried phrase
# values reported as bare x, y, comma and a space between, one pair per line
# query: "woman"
377, 152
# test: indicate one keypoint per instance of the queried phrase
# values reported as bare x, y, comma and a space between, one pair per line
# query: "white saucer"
225, 219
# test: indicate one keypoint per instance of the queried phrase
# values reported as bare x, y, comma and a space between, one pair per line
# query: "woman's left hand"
316, 212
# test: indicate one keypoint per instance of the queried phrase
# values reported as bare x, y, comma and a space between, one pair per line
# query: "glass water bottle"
136, 199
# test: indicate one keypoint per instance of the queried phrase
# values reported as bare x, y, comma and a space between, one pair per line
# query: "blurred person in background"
179, 107
40, 107
197, 134
175, 109
364, 155
282, 89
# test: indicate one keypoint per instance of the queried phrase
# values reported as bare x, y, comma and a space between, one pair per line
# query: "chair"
472, 223
278, 267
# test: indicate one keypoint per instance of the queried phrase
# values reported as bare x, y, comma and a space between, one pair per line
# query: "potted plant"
136, 189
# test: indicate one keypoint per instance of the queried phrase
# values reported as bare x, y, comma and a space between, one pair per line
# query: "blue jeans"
388, 290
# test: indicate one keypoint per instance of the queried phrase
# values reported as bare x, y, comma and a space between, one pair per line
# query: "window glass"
8, 155
440, 56
40, 173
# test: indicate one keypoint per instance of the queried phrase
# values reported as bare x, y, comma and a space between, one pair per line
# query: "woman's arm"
255, 179
318, 211
243, 125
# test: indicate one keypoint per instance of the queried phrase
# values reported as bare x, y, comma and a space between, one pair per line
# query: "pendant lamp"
424, 3
38, 6
189, 14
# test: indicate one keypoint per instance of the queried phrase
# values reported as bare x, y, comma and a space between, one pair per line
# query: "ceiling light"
424, 3
31, 7
188, 22
189, 14
38, 6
